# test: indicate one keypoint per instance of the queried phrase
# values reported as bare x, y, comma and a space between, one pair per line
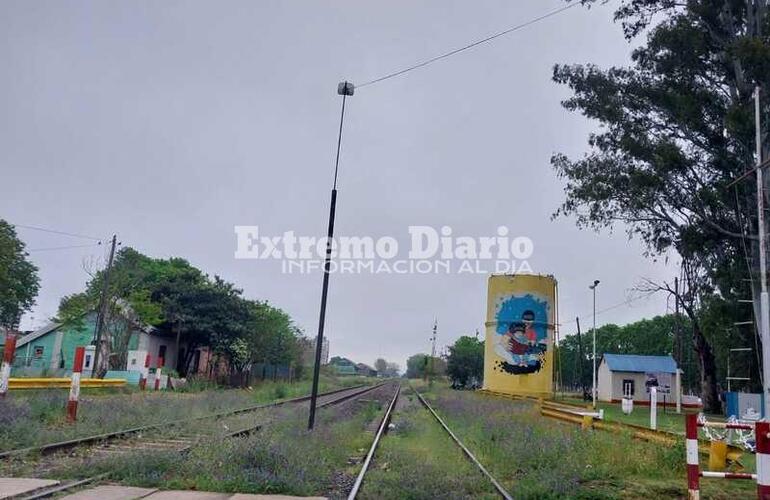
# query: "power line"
74, 235
64, 247
610, 308
470, 45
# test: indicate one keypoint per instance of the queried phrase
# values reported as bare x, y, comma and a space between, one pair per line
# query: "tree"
419, 365
676, 131
392, 369
175, 297
415, 365
380, 365
19, 282
465, 363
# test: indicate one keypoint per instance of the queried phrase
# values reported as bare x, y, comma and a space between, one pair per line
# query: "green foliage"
177, 298
419, 365
19, 282
676, 128
466, 361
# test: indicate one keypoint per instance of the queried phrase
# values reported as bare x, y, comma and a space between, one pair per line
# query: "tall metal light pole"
764, 301
344, 89
593, 386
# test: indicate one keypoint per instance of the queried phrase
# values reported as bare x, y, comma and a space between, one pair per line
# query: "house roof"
50, 327
640, 364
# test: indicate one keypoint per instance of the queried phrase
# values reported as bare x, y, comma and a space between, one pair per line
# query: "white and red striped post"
157, 374
763, 459
77, 369
145, 373
691, 450
5, 369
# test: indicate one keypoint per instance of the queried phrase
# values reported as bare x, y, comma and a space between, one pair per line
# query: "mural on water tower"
518, 353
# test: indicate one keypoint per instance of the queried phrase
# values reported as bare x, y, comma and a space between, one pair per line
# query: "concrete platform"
188, 495
17, 486
111, 493
244, 496
11, 486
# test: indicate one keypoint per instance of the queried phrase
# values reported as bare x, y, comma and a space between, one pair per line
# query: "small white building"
632, 374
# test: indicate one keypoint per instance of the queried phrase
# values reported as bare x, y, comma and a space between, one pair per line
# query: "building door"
162, 354
628, 388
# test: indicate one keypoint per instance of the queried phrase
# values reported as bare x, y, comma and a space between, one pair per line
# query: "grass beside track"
282, 458
35, 417
535, 457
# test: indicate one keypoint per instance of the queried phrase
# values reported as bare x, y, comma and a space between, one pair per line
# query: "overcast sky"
171, 122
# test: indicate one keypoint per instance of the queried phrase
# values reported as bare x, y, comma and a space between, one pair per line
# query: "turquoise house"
50, 351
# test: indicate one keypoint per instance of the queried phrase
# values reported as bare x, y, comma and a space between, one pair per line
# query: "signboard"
660, 380
518, 351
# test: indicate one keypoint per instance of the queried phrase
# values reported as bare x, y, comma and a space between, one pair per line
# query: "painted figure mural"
522, 334
521, 316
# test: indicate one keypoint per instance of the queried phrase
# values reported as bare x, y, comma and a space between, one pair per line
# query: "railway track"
116, 442
383, 429
139, 431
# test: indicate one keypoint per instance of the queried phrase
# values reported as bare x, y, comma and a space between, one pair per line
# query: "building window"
38, 352
628, 387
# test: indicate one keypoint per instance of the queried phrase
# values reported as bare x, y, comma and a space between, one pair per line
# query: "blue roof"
641, 364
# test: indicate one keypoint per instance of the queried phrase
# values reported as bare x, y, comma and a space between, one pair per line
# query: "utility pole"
678, 347
593, 387
101, 314
433, 348
344, 89
581, 360
764, 301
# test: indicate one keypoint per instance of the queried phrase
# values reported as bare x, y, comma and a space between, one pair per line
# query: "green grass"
30, 418
668, 419
417, 460
542, 458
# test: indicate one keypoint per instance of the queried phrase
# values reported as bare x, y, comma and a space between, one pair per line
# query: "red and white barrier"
145, 373
5, 369
77, 369
762, 433
158, 374
691, 450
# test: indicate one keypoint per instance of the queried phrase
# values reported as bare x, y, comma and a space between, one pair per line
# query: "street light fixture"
593, 385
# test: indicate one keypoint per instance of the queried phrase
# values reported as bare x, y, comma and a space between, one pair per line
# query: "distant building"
308, 351
343, 366
632, 374
365, 370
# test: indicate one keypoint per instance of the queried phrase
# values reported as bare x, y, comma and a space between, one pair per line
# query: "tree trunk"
707, 362
708, 368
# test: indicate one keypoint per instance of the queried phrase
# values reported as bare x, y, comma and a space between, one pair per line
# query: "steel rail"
71, 443
503, 493
60, 488
250, 429
375, 444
